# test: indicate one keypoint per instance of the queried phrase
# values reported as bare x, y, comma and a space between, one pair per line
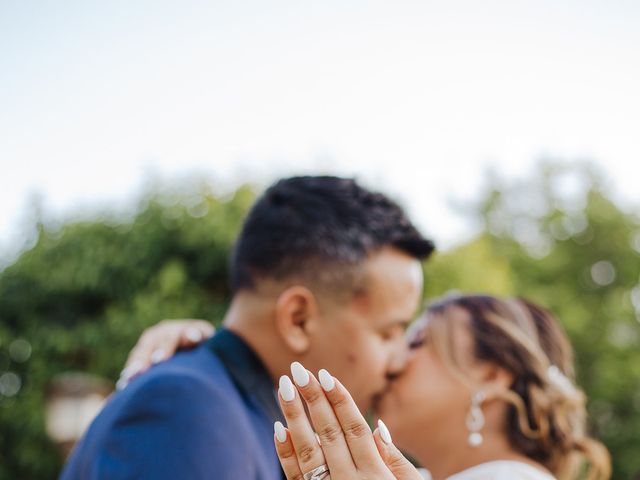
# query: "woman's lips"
379, 397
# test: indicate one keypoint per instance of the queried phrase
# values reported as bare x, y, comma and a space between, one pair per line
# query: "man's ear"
296, 307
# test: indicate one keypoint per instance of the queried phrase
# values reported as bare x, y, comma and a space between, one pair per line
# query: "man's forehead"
415, 273
383, 313
392, 269
388, 257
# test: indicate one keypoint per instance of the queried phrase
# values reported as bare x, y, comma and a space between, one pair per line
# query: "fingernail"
122, 383
193, 335
318, 439
157, 356
326, 380
300, 374
131, 370
287, 392
384, 432
281, 433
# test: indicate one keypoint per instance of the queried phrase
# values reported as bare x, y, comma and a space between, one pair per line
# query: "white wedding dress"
499, 470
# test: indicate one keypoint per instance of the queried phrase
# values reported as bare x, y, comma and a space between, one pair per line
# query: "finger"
160, 342
356, 430
157, 343
144, 354
148, 342
133, 369
167, 338
395, 461
166, 341
305, 443
325, 423
195, 332
140, 357
286, 452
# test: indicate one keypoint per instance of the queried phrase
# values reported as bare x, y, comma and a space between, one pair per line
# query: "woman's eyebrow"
417, 325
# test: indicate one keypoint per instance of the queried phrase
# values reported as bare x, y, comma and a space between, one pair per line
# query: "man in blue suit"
324, 272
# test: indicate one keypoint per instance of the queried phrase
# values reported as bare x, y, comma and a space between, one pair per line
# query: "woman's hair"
546, 416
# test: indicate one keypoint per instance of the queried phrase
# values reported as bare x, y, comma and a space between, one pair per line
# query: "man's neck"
251, 319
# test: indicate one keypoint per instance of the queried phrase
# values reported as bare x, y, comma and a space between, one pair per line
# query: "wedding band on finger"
318, 473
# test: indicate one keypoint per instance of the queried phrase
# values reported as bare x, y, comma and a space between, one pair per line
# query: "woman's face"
428, 402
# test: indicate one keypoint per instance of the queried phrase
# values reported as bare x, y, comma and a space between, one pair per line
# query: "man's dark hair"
317, 229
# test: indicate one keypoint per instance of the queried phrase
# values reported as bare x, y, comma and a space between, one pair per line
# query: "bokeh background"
135, 135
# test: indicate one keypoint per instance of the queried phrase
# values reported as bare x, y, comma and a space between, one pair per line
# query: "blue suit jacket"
204, 414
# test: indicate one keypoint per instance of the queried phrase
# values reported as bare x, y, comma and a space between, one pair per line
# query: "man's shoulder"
192, 388
189, 401
191, 376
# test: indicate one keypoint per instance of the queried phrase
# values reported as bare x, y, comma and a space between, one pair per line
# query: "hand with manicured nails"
341, 438
160, 342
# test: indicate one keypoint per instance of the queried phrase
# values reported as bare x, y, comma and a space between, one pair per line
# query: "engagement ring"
318, 473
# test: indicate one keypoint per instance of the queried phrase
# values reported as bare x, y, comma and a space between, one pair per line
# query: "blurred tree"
81, 296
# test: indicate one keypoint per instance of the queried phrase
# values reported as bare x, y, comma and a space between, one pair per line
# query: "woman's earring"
475, 419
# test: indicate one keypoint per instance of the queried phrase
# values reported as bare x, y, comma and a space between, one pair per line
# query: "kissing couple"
326, 276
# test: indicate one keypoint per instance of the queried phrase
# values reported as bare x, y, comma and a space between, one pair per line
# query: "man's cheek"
377, 364
352, 359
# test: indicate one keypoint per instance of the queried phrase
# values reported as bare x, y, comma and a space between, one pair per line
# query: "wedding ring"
317, 473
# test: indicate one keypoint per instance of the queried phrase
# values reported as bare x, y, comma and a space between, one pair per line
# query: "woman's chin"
395, 416
387, 409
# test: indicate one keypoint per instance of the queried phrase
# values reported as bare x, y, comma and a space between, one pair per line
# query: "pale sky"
414, 98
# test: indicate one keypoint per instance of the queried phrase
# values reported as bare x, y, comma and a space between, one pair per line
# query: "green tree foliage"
84, 293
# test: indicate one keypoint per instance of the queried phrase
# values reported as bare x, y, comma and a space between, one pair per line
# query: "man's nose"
398, 360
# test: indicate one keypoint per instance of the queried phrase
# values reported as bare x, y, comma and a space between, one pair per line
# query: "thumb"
401, 468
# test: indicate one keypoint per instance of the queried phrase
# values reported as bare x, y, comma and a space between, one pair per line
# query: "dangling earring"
475, 420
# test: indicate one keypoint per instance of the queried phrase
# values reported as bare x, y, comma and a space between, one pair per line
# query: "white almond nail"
326, 380
193, 335
384, 432
131, 370
281, 433
157, 356
287, 392
300, 374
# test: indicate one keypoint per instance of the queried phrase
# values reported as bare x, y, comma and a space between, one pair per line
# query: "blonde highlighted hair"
546, 419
